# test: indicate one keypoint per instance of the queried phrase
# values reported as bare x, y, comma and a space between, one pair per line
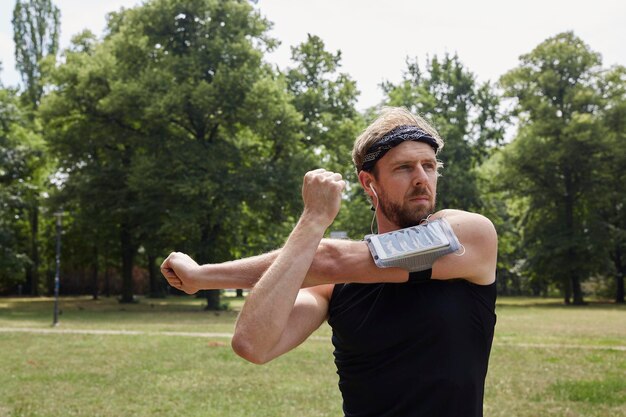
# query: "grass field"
547, 360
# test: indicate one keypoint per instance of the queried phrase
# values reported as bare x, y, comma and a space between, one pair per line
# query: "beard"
402, 214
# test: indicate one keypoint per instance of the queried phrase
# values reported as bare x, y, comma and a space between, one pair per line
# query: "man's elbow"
245, 348
488, 233
487, 239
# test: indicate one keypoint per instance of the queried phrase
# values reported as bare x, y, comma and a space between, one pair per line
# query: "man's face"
405, 180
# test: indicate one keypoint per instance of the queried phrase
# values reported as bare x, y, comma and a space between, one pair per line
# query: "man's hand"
182, 272
321, 193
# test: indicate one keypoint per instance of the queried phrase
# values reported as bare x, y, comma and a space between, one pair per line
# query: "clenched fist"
321, 192
182, 272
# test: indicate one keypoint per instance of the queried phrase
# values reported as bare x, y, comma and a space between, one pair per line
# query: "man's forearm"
267, 309
335, 261
241, 273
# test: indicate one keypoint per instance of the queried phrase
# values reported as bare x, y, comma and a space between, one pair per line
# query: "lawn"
547, 360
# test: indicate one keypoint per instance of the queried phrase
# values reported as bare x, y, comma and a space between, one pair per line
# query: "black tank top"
412, 349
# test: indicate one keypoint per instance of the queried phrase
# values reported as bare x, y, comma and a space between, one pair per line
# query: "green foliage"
613, 211
503, 211
22, 170
326, 99
36, 25
552, 168
149, 119
173, 133
13, 167
35, 34
465, 114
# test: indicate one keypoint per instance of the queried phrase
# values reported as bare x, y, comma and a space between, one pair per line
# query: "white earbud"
373, 190
375, 209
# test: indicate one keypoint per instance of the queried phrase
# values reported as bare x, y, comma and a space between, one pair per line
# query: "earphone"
373, 190
376, 209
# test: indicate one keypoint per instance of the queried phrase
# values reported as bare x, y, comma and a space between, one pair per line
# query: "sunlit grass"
547, 360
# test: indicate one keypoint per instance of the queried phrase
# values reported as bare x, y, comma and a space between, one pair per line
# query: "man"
402, 348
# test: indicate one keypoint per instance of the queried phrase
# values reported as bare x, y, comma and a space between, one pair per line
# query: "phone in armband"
413, 248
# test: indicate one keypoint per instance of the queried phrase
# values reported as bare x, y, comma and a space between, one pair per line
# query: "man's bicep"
476, 261
310, 310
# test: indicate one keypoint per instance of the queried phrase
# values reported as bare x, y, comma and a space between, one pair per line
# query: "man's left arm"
344, 261
350, 261
477, 260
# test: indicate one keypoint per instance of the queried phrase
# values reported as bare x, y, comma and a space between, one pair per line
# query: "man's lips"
419, 198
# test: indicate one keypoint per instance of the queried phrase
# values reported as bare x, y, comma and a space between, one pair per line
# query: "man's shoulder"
454, 213
477, 222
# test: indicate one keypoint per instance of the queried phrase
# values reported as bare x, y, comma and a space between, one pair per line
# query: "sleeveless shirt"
412, 349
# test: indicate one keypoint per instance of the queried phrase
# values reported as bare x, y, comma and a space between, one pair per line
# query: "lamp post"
55, 321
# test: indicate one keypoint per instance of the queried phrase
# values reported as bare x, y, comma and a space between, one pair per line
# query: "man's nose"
420, 176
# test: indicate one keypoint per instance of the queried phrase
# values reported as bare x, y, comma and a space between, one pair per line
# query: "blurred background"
188, 125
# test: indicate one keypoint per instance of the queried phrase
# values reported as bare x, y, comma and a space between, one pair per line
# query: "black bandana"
392, 139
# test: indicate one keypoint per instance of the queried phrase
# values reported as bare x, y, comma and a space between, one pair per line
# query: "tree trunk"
212, 300
567, 291
128, 256
571, 253
107, 275
619, 276
94, 274
535, 287
32, 273
207, 239
107, 280
156, 287
577, 290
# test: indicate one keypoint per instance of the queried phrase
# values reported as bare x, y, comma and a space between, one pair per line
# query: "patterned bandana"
392, 139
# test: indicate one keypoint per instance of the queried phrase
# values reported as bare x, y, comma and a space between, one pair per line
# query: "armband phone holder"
414, 248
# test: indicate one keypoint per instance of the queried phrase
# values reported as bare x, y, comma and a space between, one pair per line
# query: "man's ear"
365, 178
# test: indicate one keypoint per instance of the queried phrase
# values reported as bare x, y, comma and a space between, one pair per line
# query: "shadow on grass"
81, 308
523, 302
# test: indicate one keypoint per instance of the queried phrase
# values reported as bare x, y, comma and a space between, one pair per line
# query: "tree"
465, 114
503, 211
21, 153
613, 89
36, 26
551, 165
177, 131
36, 37
326, 98
12, 168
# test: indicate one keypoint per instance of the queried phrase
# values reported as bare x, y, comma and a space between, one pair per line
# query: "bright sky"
375, 36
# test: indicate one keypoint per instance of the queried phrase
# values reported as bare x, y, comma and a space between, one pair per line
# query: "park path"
105, 332
57, 330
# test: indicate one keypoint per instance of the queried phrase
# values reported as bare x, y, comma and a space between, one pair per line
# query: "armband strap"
420, 276
414, 248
